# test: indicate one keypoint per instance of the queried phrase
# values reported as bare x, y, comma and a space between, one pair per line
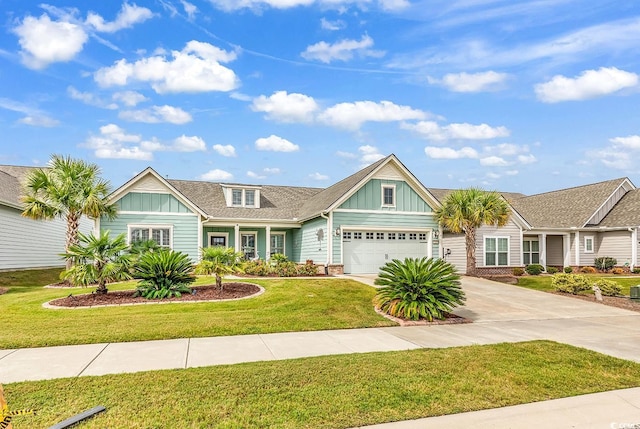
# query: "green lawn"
543, 283
287, 305
329, 391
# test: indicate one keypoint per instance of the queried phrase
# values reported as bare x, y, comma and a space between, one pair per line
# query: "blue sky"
524, 96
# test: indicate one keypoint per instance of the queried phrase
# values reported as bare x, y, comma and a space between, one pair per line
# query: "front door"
248, 242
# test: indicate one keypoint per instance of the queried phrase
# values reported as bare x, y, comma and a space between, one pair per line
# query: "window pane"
503, 244
388, 196
535, 258
526, 259
249, 198
490, 259
139, 234
588, 243
160, 236
535, 246
236, 199
502, 258
490, 244
277, 244
526, 246
218, 241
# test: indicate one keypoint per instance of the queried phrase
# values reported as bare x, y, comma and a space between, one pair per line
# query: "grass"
543, 283
330, 391
287, 305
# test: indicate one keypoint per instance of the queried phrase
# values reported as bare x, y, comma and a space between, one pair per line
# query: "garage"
366, 251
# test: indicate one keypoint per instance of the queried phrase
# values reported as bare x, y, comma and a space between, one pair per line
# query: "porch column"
236, 237
566, 250
577, 244
542, 239
634, 248
267, 246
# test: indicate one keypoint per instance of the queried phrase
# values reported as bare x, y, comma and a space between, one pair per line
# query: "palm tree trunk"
73, 224
470, 243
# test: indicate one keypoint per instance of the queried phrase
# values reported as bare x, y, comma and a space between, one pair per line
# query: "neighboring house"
380, 213
568, 227
27, 243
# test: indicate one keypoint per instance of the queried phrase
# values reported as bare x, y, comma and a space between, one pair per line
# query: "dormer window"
242, 196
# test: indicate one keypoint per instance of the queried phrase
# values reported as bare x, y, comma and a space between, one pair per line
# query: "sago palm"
163, 273
418, 288
466, 210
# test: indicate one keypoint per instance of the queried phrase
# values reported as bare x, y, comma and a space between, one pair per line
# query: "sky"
519, 96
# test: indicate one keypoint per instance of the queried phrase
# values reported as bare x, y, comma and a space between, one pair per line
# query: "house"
567, 227
379, 213
27, 243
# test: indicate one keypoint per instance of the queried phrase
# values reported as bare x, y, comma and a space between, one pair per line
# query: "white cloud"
225, 150
189, 8
232, 5
511, 172
450, 153
629, 142
526, 159
267, 171
33, 116
590, 84
157, 114
271, 170
431, 130
471, 82
369, 155
114, 143
89, 99
284, 107
129, 98
347, 155
189, 144
196, 68
39, 121
43, 41
128, 16
217, 174
254, 175
351, 116
493, 161
492, 175
318, 176
506, 149
274, 143
343, 50
240, 96
338, 24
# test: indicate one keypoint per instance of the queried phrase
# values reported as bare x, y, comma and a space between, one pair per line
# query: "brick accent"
336, 269
494, 271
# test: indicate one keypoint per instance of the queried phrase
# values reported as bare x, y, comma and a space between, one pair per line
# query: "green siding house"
380, 213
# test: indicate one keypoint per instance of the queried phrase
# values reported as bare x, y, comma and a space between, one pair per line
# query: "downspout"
329, 237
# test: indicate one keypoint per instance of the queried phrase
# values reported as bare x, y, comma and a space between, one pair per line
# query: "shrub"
533, 269
608, 287
517, 271
588, 270
286, 269
617, 270
418, 288
258, 268
308, 269
570, 283
552, 270
636, 270
219, 261
278, 258
605, 263
568, 270
163, 274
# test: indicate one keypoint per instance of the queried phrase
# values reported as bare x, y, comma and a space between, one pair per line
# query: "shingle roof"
626, 213
11, 177
441, 194
276, 202
565, 208
327, 197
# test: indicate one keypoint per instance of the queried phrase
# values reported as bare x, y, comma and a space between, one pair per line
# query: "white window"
249, 198
248, 243
369, 235
379, 235
388, 195
236, 197
357, 236
218, 239
346, 235
530, 252
588, 244
496, 251
277, 243
158, 233
422, 236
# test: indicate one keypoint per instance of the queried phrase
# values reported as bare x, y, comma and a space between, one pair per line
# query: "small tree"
466, 210
220, 261
97, 260
163, 274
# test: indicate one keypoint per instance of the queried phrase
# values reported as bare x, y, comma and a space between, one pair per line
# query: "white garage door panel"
362, 255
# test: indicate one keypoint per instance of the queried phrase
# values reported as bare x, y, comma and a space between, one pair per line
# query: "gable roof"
441, 194
566, 208
626, 213
11, 177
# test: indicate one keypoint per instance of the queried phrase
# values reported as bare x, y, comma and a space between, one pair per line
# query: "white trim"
634, 248
218, 234
122, 212
255, 241
625, 181
484, 250
384, 228
284, 242
593, 244
386, 212
577, 249
330, 238
252, 223
150, 226
521, 247
391, 186
531, 239
228, 194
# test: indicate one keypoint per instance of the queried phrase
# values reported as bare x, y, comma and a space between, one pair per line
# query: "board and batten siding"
186, 228
151, 202
369, 197
511, 230
385, 220
27, 243
615, 244
306, 244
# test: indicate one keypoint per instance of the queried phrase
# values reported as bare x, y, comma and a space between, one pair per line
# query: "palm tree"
220, 260
97, 260
465, 210
68, 188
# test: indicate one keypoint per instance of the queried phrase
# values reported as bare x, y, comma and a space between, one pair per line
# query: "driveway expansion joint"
93, 360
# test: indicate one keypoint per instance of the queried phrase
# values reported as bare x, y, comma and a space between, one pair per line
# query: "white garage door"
364, 252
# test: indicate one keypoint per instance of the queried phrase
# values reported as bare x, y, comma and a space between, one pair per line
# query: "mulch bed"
614, 301
3, 290
449, 319
202, 293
